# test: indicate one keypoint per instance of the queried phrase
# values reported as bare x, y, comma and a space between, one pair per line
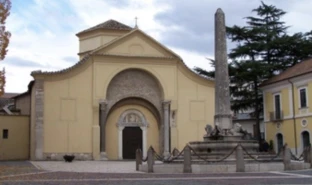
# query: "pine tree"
5, 6
262, 50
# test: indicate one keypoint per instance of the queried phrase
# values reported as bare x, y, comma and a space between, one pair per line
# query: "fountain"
224, 136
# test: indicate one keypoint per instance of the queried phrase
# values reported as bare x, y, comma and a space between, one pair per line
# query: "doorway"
305, 139
280, 142
131, 141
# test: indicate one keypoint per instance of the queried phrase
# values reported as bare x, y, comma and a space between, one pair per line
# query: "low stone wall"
224, 168
14, 137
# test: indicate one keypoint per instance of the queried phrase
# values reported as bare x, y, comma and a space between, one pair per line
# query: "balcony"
276, 116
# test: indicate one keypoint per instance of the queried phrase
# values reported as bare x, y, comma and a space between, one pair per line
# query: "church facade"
128, 91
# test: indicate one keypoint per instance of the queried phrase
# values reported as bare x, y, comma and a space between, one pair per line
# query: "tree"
263, 49
5, 7
2, 81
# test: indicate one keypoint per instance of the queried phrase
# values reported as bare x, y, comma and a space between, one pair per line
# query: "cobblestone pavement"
16, 167
88, 166
41, 177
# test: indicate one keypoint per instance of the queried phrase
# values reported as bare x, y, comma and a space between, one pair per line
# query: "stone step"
261, 157
233, 160
103, 156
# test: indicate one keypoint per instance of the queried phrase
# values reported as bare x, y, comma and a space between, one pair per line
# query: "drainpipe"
294, 119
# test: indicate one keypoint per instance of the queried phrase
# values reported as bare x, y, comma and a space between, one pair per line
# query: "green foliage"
5, 6
263, 49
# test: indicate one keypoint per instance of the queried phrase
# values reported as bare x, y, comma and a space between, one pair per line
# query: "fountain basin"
222, 146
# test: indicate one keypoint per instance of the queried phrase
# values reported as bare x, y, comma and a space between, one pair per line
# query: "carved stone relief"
132, 118
137, 84
134, 83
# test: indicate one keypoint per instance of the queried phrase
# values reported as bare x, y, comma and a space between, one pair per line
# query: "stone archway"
131, 84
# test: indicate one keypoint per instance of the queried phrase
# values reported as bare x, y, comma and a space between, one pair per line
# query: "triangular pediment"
136, 43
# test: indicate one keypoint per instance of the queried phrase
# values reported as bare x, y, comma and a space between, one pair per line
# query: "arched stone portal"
137, 84
130, 120
132, 127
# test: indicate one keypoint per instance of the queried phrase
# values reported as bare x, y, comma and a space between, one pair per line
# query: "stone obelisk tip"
219, 11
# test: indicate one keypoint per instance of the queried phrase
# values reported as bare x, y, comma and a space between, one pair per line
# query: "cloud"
71, 59
195, 20
43, 31
19, 62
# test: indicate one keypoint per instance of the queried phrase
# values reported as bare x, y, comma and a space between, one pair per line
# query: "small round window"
304, 122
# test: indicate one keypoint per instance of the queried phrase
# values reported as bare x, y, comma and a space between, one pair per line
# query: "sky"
43, 31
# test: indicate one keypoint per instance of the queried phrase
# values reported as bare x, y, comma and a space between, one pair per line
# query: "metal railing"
276, 115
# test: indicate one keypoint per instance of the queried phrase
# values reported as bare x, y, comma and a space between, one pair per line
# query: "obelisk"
222, 116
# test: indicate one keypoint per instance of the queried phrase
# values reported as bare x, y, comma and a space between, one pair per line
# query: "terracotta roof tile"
299, 69
109, 25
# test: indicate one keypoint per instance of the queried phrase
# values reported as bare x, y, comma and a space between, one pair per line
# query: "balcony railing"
276, 115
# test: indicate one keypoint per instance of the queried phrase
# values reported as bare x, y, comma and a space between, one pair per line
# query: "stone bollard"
310, 156
150, 160
240, 163
175, 152
187, 167
287, 158
306, 154
138, 159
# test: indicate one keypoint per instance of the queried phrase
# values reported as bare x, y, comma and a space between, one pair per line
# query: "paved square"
113, 172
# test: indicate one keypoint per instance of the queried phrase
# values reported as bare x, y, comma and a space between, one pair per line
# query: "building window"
5, 133
277, 102
303, 97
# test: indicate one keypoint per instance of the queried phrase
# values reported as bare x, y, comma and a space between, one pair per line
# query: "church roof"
299, 69
108, 25
95, 52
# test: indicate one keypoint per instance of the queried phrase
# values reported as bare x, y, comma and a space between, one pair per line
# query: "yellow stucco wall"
296, 93
301, 129
68, 113
193, 101
285, 101
284, 93
290, 129
285, 128
71, 100
195, 110
112, 130
136, 45
16, 146
92, 40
